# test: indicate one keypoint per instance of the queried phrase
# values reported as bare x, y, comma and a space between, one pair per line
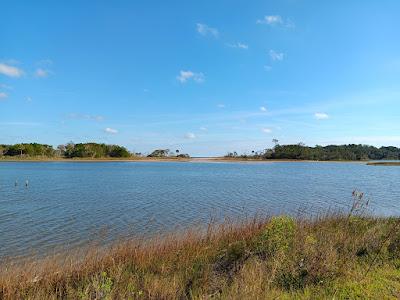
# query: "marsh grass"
341, 256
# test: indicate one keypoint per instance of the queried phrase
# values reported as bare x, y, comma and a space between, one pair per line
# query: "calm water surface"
67, 204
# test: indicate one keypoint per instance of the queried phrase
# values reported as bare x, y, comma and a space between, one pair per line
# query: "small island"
82, 152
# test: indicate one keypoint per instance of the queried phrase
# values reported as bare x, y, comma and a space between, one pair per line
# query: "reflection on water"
69, 203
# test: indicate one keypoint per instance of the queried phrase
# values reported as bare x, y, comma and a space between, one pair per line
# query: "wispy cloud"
276, 20
78, 116
267, 68
266, 130
374, 140
276, 56
3, 96
203, 128
10, 71
45, 62
11, 61
21, 123
271, 20
185, 76
5, 86
206, 30
221, 105
239, 45
321, 116
190, 136
263, 108
42, 73
110, 130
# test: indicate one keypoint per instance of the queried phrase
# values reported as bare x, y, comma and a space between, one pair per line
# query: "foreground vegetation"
300, 151
335, 256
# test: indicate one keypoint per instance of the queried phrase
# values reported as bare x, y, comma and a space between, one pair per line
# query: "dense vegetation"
167, 153
32, 149
331, 152
92, 150
70, 150
295, 151
81, 150
347, 256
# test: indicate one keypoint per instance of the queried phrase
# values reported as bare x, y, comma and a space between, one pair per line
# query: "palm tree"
177, 152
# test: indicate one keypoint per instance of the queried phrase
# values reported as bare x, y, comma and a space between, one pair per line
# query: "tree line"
325, 153
70, 150
293, 151
79, 150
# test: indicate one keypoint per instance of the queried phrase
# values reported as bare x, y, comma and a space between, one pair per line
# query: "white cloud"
10, 71
203, 128
321, 116
263, 108
184, 76
190, 136
239, 45
271, 20
276, 56
221, 105
276, 20
42, 73
205, 30
266, 130
111, 130
3, 96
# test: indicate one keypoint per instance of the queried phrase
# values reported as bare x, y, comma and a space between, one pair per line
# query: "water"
67, 204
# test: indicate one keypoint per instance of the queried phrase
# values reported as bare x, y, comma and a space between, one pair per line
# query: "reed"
341, 256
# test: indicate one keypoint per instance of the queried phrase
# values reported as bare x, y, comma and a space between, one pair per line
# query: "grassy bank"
341, 257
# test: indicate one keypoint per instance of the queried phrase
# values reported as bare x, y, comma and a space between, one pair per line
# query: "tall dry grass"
332, 256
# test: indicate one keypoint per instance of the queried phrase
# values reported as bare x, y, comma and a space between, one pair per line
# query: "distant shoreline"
384, 163
108, 159
192, 160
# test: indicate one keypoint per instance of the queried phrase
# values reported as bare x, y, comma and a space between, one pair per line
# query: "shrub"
278, 236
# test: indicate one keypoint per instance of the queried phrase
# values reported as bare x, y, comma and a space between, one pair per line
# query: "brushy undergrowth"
330, 257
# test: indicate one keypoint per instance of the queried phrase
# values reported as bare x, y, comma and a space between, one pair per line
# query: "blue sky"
205, 77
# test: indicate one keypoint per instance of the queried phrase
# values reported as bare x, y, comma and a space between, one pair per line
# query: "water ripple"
67, 204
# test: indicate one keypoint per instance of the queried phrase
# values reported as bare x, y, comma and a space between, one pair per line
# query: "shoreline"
384, 163
191, 160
